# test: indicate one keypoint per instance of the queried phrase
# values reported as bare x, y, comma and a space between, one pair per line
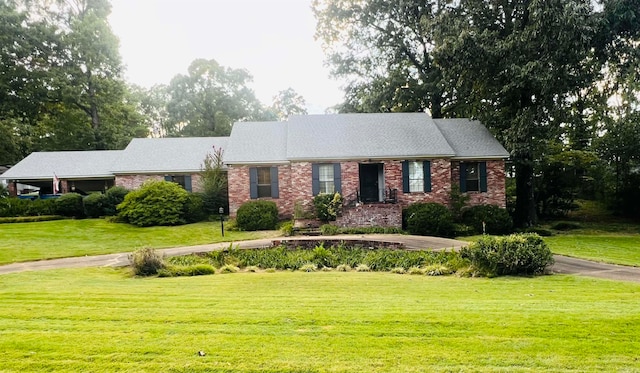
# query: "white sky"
272, 39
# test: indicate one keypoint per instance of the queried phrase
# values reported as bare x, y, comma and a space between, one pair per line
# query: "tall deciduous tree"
383, 48
209, 99
519, 62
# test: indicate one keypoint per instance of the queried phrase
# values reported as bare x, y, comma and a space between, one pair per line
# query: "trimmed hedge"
517, 254
95, 205
257, 215
70, 205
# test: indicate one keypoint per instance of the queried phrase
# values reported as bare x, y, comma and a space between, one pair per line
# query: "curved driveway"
563, 264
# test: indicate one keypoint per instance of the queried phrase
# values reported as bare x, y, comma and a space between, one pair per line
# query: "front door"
369, 182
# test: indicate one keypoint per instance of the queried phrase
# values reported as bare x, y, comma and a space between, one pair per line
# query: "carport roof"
66, 165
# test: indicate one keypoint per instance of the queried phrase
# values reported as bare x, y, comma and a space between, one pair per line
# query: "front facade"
379, 163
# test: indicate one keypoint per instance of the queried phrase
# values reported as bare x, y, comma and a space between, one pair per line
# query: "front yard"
103, 320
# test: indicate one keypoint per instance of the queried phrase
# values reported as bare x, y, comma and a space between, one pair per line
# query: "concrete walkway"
563, 265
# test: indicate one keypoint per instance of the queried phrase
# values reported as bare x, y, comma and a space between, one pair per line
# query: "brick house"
380, 163
174, 159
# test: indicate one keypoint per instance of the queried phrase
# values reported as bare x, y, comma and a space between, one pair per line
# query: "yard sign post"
221, 211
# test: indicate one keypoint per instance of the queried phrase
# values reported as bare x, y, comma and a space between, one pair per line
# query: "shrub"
437, 270
398, 270
228, 268
146, 262
565, 226
343, 268
327, 206
194, 208
363, 268
257, 215
115, 196
30, 219
70, 204
415, 271
309, 267
95, 204
287, 229
544, 232
496, 219
510, 255
429, 219
155, 203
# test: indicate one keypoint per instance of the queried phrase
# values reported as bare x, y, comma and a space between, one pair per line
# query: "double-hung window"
326, 178
263, 182
473, 176
416, 176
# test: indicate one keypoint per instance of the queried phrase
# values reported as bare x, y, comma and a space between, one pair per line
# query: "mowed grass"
102, 320
617, 249
67, 238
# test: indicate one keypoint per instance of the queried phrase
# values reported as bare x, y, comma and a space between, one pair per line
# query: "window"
416, 176
473, 176
183, 180
264, 182
326, 178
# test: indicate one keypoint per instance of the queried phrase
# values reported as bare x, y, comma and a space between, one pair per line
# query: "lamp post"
221, 211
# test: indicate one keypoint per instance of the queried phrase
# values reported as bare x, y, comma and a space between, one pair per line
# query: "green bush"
155, 203
287, 229
194, 208
115, 196
565, 226
496, 219
70, 204
327, 206
257, 215
190, 270
14, 207
517, 254
146, 262
95, 204
329, 230
30, 219
429, 219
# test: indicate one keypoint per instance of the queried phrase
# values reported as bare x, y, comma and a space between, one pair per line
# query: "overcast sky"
272, 39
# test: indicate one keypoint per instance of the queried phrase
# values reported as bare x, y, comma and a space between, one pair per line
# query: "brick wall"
496, 184
295, 185
371, 215
132, 182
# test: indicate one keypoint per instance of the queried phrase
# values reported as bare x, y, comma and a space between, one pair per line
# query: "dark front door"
369, 182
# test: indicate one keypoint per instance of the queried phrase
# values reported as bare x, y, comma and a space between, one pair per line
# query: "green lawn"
102, 320
618, 249
65, 238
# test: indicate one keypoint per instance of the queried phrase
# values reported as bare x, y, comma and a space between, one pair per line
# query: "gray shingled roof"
257, 142
360, 136
470, 139
180, 154
67, 165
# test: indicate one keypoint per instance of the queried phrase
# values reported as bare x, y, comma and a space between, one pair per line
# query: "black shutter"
337, 177
483, 176
426, 166
315, 179
253, 182
275, 192
463, 177
405, 176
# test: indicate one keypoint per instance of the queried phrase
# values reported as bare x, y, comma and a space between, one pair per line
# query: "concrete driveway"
563, 265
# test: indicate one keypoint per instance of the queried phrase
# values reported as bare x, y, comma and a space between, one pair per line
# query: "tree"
214, 180
209, 99
61, 76
287, 103
519, 62
384, 50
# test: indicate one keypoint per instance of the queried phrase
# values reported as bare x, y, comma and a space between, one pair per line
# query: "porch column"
64, 186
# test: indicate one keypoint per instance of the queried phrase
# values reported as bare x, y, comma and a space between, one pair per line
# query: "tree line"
62, 86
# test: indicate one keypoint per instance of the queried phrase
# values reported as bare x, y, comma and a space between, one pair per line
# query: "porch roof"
66, 165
